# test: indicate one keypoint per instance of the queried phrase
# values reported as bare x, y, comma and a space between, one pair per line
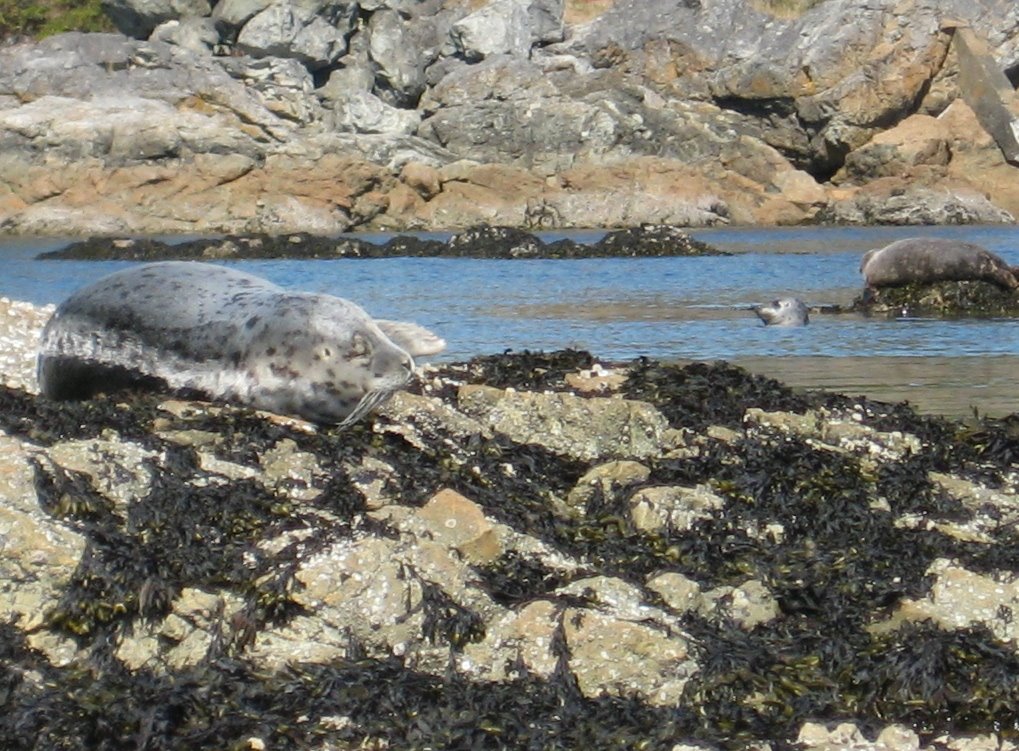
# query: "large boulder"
138, 18
501, 27
394, 46
314, 33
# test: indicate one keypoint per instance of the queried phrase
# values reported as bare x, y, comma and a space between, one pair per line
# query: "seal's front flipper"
415, 340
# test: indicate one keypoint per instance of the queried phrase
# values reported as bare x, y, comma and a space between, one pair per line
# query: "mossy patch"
42, 18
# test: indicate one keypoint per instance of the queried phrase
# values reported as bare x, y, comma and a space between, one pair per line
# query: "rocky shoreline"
525, 550
240, 117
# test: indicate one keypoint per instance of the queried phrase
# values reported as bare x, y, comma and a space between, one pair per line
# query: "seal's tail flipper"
415, 340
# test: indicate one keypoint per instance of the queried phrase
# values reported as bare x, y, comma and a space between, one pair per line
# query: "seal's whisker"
368, 402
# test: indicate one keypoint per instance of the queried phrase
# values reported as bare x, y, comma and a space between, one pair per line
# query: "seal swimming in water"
786, 311
215, 332
932, 259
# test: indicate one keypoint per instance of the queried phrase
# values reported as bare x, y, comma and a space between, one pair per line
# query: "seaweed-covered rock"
500, 560
482, 241
969, 298
653, 240
294, 245
496, 242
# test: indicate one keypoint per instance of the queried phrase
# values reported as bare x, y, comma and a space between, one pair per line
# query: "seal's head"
786, 311
320, 357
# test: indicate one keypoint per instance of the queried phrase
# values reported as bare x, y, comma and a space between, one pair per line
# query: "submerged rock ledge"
525, 551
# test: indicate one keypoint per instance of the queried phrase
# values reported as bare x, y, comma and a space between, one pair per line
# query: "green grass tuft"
42, 18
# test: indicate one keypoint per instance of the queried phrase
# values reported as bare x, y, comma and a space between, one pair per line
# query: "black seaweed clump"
354, 704
702, 394
45, 422
968, 298
524, 371
650, 240
298, 245
766, 684
482, 241
800, 519
513, 579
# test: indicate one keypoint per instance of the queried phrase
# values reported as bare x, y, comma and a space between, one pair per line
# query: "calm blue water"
668, 308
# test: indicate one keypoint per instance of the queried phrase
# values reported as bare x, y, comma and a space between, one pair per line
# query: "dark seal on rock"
786, 311
931, 259
215, 332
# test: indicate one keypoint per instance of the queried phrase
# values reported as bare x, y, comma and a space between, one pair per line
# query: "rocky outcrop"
327, 116
523, 551
482, 241
968, 298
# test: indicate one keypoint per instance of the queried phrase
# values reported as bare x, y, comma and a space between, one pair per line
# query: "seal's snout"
389, 361
786, 311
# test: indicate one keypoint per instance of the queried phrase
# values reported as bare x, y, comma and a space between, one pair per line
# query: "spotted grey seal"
786, 311
933, 259
214, 332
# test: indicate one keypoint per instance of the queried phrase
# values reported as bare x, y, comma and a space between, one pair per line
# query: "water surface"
665, 308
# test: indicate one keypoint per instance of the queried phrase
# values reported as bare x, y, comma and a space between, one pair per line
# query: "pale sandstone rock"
459, 523
567, 423
116, 468
661, 508
40, 552
961, 598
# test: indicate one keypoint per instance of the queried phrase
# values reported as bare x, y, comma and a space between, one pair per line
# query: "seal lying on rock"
219, 333
932, 259
786, 311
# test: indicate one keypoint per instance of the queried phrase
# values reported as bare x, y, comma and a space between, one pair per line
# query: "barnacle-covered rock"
40, 552
583, 428
505, 558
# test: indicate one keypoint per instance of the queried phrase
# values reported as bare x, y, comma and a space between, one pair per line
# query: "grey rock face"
138, 18
658, 111
314, 33
236, 13
916, 206
546, 20
111, 67
502, 27
810, 81
363, 112
400, 63
197, 34
505, 109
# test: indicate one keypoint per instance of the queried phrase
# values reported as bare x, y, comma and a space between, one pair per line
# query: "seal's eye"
359, 346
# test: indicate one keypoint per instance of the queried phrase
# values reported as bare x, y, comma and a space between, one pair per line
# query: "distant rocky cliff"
324, 116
